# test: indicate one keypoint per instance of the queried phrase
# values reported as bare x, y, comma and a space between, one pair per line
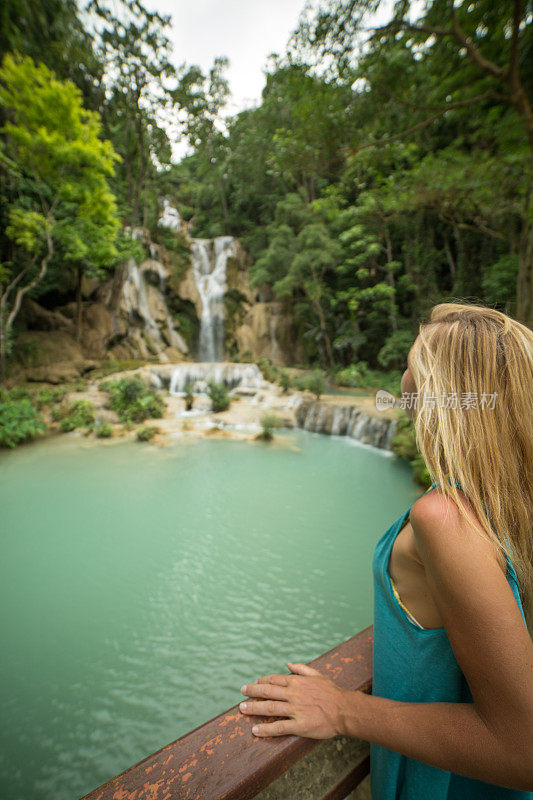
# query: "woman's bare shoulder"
438, 512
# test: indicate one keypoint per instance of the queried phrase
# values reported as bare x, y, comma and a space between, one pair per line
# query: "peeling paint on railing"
222, 759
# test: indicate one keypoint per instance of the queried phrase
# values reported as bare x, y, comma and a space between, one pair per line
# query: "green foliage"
315, 382
202, 97
103, 429
15, 393
268, 422
245, 357
392, 382
109, 367
49, 396
178, 248
79, 414
499, 281
359, 241
269, 371
300, 383
353, 375
393, 354
361, 376
56, 199
146, 432
55, 33
19, 421
50, 134
23, 351
189, 395
133, 400
284, 380
133, 46
26, 228
218, 394
404, 446
357, 221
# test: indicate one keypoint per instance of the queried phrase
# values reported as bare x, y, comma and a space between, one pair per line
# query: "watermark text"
453, 400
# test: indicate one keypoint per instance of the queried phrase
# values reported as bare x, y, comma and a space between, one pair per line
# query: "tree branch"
518, 14
477, 57
21, 292
450, 107
478, 226
457, 32
14, 282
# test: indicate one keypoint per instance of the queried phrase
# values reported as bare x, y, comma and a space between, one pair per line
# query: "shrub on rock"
79, 414
218, 394
147, 432
103, 429
268, 424
133, 400
19, 421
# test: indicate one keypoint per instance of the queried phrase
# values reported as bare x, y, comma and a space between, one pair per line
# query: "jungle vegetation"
384, 169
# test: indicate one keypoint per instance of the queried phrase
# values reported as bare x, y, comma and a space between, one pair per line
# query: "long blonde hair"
486, 441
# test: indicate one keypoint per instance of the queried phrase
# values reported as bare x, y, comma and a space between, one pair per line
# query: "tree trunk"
390, 279
116, 286
78, 303
320, 313
224, 203
449, 256
524, 287
460, 263
7, 321
3, 348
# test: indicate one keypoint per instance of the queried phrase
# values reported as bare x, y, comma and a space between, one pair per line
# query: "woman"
451, 710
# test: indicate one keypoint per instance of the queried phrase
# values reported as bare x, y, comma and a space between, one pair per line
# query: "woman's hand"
312, 703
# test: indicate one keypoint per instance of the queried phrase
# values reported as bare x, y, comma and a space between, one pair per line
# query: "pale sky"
246, 31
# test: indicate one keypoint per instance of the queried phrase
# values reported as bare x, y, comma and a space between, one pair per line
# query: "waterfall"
136, 303
174, 338
199, 374
352, 421
170, 216
209, 259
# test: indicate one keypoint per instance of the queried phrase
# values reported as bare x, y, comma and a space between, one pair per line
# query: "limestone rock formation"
254, 328
268, 332
52, 356
139, 302
139, 312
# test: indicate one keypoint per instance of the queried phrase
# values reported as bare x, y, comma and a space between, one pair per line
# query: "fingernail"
243, 689
255, 729
242, 706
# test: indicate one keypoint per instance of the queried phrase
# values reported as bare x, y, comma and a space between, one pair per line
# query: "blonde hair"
486, 445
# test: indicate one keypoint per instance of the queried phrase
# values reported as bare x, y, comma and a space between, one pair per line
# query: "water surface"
141, 586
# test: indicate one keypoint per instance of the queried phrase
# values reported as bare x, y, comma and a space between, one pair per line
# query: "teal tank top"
417, 665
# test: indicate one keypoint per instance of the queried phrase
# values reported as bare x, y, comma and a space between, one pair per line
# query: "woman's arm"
490, 739
451, 736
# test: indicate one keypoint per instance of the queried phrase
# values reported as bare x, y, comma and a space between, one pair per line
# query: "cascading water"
209, 260
135, 301
352, 421
175, 339
199, 374
170, 216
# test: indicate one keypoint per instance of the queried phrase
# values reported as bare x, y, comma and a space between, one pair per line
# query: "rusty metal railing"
223, 760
